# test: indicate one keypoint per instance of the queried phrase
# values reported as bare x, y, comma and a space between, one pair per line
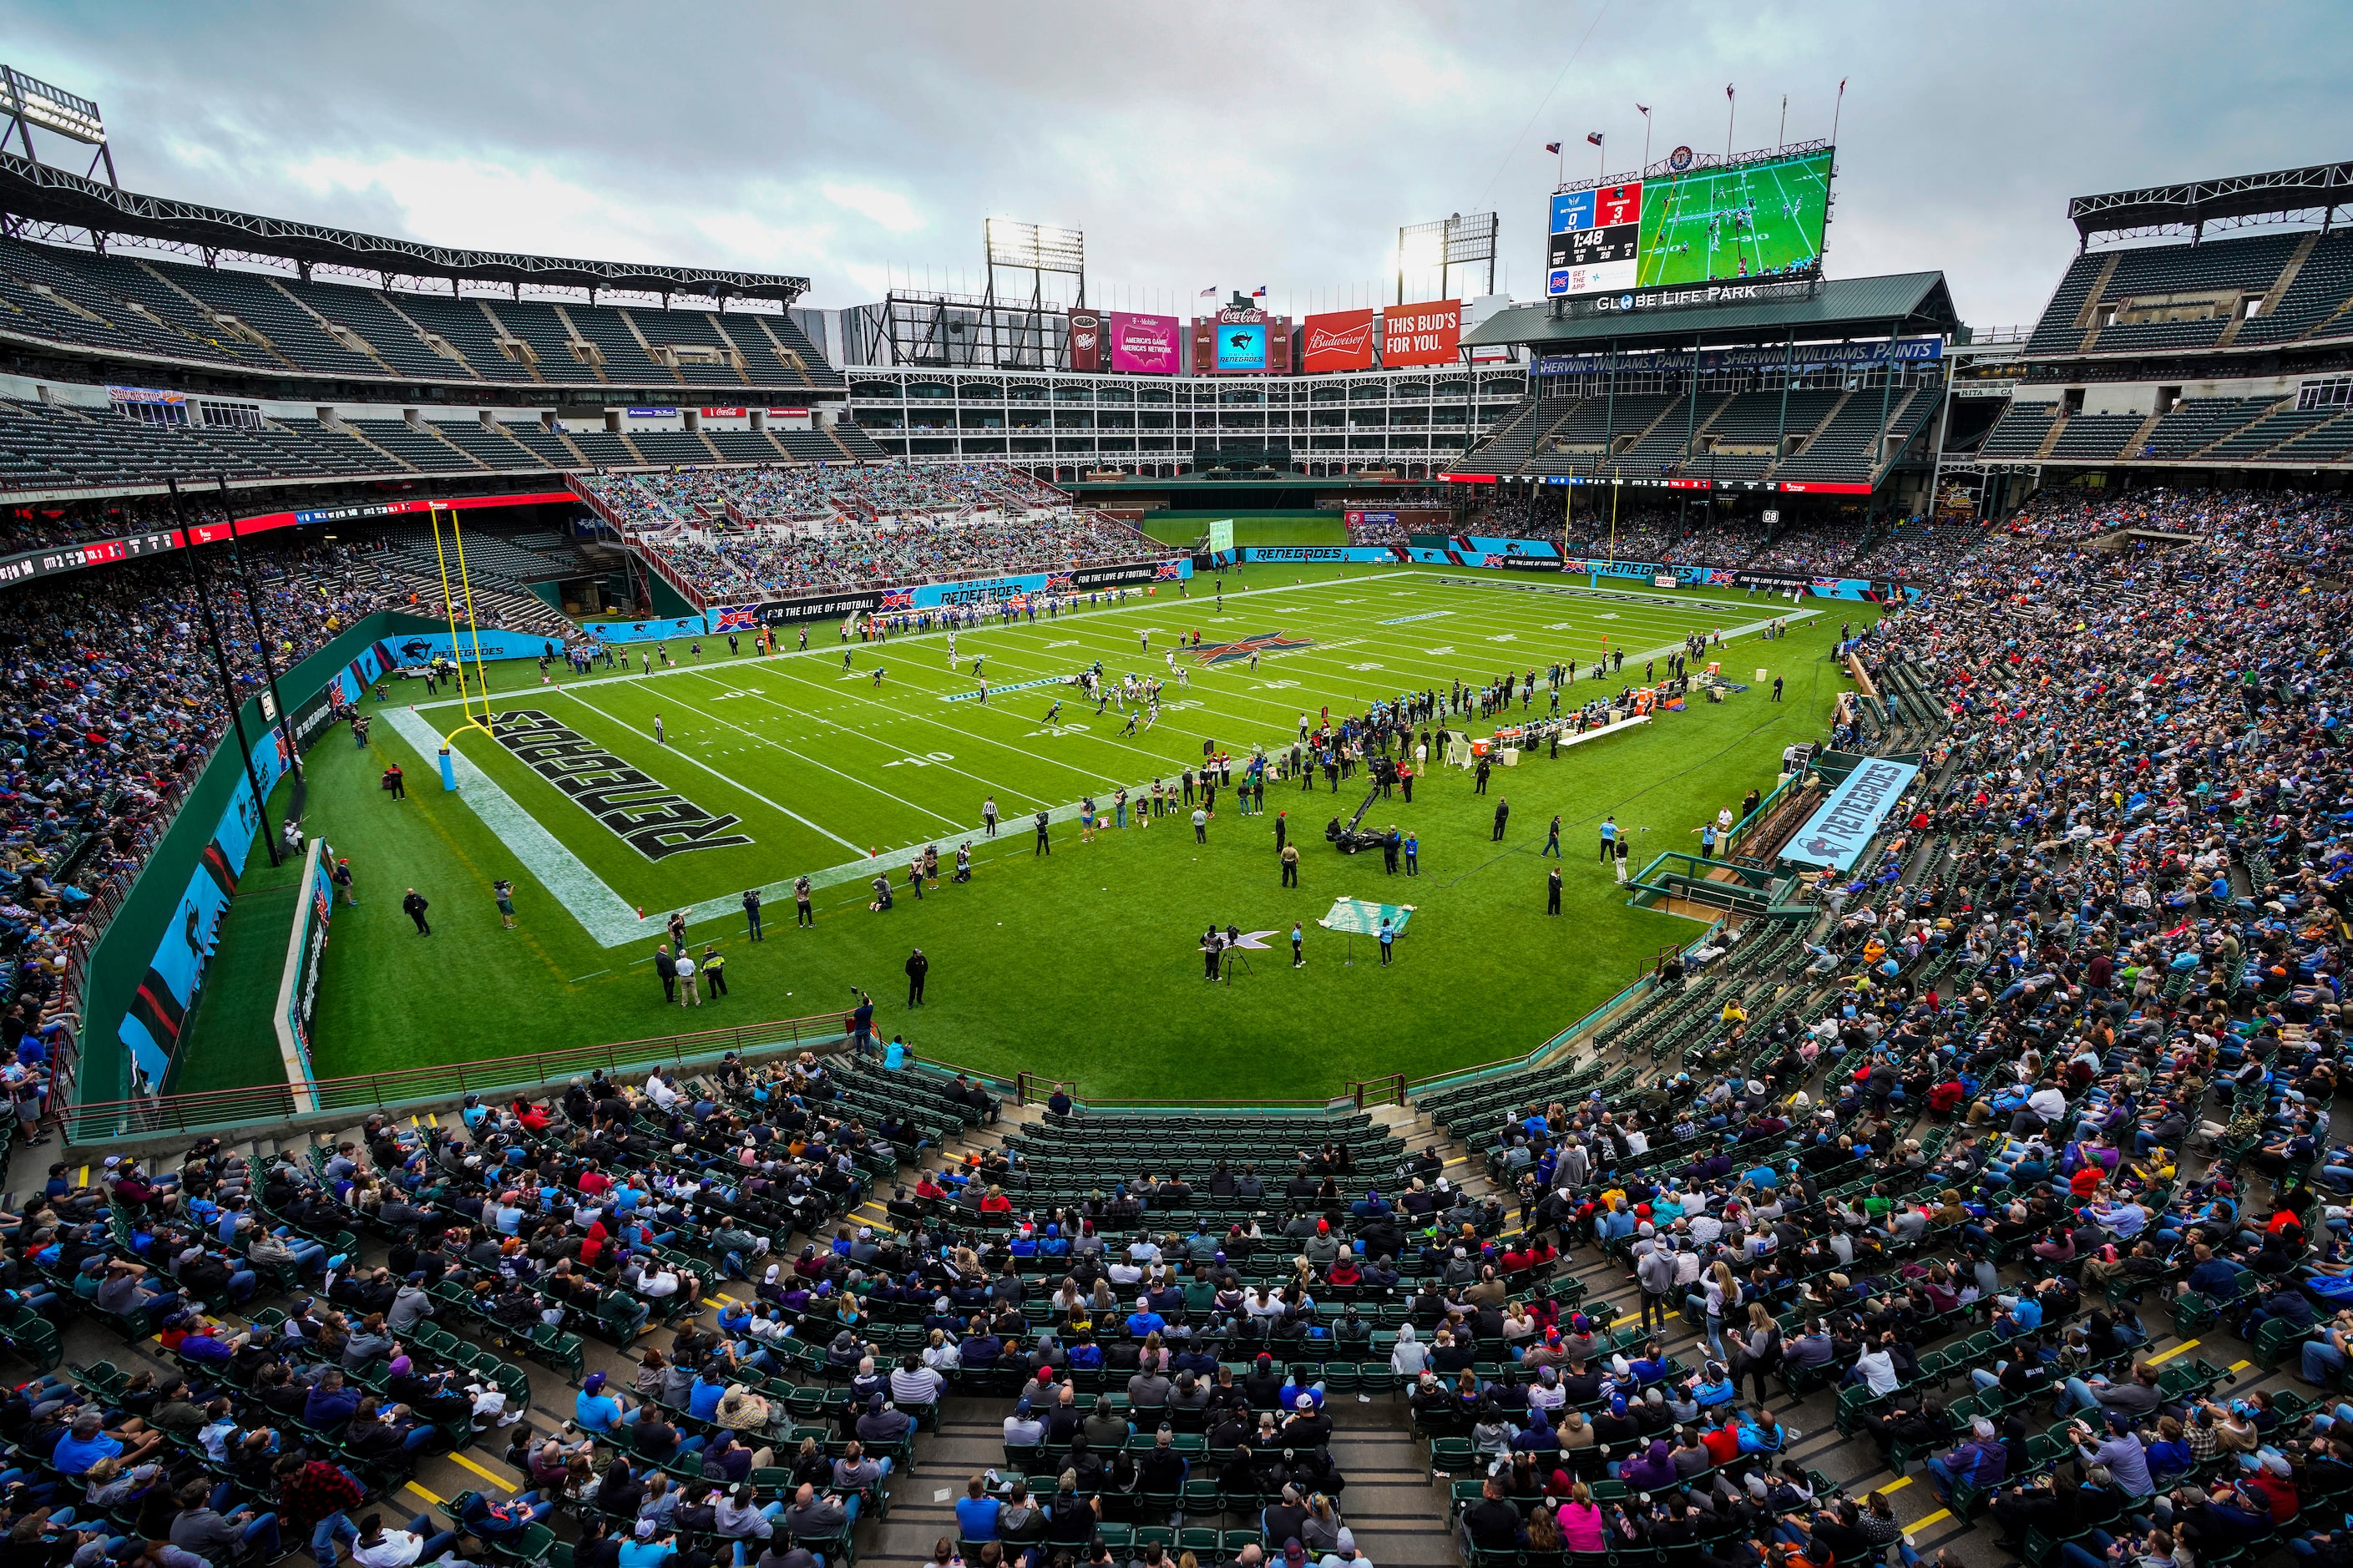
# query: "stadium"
1697, 920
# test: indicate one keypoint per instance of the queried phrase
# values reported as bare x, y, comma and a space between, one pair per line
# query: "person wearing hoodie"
1410, 1357
410, 1306
1653, 1470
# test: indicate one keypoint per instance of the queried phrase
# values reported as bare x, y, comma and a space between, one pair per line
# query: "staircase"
2272, 298
2086, 320
1824, 422
2050, 436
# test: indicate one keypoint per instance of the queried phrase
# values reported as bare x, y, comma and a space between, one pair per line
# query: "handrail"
271, 1103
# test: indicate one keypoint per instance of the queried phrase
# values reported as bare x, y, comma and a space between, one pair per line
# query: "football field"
1742, 222
744, 773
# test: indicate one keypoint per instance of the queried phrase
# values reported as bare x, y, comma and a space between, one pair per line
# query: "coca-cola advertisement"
1086, 340
1144, 345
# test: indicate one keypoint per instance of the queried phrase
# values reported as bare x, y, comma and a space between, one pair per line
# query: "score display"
1596, 239
1764, 219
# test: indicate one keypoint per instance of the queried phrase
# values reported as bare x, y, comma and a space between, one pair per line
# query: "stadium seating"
2095, 437
2195, 423
1832, 1107
61, 446
2060, 329
2322, 288
2020, 432
2246, 266
2258, 437
1851, 444
137, 307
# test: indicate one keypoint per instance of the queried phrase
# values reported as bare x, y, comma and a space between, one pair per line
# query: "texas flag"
1259, 292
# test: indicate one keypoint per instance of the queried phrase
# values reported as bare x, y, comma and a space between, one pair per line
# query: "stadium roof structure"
2192, 205
41, 194
1839, 307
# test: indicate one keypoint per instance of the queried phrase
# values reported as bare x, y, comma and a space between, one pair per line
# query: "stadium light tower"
27, 104
1041, 252
1460, 240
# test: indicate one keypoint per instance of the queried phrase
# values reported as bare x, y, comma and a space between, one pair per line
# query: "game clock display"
1596, 239
1763, 219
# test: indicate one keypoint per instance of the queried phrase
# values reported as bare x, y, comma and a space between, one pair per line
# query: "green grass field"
1750, 222
1082, 963
1184, 528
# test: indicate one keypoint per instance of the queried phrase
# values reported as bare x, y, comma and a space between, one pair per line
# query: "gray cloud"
1200, 146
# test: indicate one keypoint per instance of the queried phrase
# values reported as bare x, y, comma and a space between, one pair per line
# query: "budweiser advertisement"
1144, 345
1421, 334
1086, 340
1339, 340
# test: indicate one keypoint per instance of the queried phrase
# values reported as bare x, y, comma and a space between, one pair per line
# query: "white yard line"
852, 729
612, 922
731, 782
603, 913
902, 714
817, 649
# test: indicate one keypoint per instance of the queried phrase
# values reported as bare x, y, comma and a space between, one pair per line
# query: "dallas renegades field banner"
1834, 836
654, 821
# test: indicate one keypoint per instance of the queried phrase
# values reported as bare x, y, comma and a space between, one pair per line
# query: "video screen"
1762, 220
1241, 346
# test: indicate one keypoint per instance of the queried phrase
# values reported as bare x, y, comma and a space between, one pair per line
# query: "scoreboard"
1596, 239
1692, 221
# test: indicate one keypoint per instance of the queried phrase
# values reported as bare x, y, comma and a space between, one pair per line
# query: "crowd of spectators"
1815, 547
2100, 952
2065, 514
110, 704
1927, 549
599, 1211
765, 563
817, 529
1378, 531
2064, 1056
662, 499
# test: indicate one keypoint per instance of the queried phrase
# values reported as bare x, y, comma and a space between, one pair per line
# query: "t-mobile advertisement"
1143, 345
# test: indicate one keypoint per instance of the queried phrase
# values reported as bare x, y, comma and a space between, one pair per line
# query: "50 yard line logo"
654, 821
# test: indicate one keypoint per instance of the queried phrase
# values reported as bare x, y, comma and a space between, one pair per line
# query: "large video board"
1764, 219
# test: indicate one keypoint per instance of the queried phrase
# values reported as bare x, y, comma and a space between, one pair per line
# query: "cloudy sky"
1200, 146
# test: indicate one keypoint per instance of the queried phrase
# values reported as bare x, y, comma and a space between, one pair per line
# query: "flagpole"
1730, 104
1560, 163
1837, 110
1646, 141
1601, 161
1781, 137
